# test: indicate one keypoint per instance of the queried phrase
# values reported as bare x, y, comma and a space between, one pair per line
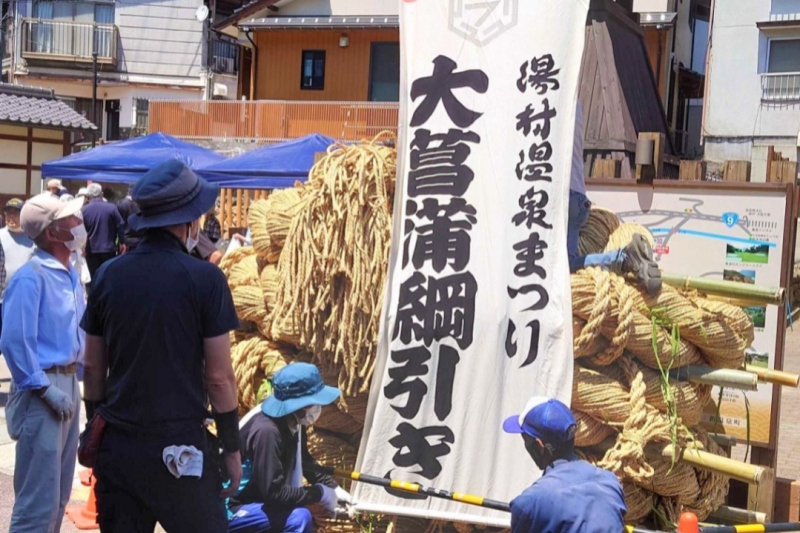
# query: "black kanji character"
534, 171
539, 122
541, 303
445, 240
532, 204
432, 309
414, 449
437, 163
542, 75
439, 88
445, 381
533, 347
540, 152
412, 363
529, 252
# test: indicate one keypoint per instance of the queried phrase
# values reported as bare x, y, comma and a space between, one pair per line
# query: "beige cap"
42, 210
54, 183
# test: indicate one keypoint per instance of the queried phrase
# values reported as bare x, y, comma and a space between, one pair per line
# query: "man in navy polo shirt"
106, 229
572, 495
157, 351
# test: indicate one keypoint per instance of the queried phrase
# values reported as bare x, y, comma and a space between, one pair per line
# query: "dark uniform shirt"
104, 225
572, 496
269, 454
154, 307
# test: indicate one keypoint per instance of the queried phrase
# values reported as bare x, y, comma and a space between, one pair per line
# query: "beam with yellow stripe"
753, 528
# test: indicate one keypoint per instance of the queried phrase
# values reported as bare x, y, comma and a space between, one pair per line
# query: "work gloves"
61, 404
337, 501
328, 500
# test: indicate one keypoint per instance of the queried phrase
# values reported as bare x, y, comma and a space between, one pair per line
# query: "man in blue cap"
157, 351
572, 495
272, 497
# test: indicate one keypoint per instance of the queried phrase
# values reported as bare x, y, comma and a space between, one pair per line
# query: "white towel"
296, 479
183, 461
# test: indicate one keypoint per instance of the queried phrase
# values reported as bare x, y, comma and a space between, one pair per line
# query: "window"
64, 28
384, 72
784, 56
142, 117
312, 75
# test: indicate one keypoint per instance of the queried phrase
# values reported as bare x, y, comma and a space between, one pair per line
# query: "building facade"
319, 50
145, 50
753, 92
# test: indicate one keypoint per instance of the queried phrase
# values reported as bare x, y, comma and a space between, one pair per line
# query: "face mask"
78, 238
311, 415
191, 242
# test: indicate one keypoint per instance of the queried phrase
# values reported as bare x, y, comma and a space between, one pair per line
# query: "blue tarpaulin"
127, 161
272, 167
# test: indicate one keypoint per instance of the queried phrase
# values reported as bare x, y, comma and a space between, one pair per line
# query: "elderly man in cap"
274, 448
158, 349
56, 188
106, 229
43, 347
572, 495
16, 247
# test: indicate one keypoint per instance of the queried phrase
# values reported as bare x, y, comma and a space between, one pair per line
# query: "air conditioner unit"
220, 89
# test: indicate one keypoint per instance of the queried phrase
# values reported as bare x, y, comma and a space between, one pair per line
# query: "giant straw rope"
310, 289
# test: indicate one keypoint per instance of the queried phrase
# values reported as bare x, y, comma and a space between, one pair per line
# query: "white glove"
348, 510
328, 500
343, 496
59, 402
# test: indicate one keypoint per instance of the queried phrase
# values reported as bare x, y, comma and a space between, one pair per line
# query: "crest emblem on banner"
481, 21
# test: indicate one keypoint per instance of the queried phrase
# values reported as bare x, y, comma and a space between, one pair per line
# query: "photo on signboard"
758, 315
756, 253
759, 360
740, 276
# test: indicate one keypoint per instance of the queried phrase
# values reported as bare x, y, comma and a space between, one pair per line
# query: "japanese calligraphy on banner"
477, 311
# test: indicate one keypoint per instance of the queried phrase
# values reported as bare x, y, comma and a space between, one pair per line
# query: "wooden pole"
777, 377
730, 289
740, 516
238, 208
747, 473
719, 377
230, 209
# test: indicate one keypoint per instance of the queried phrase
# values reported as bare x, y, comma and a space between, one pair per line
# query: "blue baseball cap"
543, 418
297, 386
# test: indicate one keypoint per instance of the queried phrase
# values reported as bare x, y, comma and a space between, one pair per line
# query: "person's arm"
265, 446
19, 339
120, 230
520, 519
95, 370
220, 379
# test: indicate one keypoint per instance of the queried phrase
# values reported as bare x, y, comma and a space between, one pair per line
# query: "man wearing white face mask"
43, 347
157, 352
272, 497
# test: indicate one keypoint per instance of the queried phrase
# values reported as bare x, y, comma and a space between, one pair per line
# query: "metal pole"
94, 84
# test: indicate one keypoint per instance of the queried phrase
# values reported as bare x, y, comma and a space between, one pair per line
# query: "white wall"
738, 125
340, 7
653, 6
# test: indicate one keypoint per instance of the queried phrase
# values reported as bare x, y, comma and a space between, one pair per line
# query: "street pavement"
788, 447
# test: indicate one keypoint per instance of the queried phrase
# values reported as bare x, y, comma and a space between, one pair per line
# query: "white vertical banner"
477, 312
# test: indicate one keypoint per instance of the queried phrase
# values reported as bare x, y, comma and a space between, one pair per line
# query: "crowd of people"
150, 338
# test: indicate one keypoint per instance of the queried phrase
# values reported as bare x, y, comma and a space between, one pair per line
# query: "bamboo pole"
740, 516
230, 209
738, 302
238, 208
750, 474
720, 377
729, 289
778, 377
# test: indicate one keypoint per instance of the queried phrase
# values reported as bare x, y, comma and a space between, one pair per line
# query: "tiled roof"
31, 106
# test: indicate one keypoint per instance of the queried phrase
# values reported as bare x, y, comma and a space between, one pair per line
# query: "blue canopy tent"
127, 161
272, 167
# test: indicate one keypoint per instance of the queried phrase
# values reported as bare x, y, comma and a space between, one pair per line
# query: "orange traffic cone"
688, 523
85, 516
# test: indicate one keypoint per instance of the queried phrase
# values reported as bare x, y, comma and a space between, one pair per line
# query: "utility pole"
94, 84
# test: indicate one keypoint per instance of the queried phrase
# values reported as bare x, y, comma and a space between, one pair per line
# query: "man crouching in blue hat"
271, 497
572, 495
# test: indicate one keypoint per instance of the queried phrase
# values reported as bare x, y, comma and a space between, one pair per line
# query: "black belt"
67, 370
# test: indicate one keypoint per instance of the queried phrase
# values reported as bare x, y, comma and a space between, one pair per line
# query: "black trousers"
95, 261
135, 490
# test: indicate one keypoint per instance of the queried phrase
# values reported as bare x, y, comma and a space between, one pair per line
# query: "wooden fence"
271, 120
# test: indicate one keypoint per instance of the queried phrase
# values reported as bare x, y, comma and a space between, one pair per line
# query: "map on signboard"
720, 234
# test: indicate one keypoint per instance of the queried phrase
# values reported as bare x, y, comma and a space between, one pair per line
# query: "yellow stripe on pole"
750, 528
468, 498
405, 485
628, 529
355, 476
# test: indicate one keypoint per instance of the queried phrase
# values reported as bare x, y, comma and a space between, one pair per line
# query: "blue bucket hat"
543, 418
171, 194
297, 386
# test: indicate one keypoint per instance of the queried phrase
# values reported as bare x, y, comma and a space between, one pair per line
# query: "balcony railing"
58, 40
272, 120
780, 88
225, 58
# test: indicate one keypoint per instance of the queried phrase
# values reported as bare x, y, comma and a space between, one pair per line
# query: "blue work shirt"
104, 226
42, 309
572, 496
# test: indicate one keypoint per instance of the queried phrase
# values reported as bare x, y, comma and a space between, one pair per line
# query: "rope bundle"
321, 303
